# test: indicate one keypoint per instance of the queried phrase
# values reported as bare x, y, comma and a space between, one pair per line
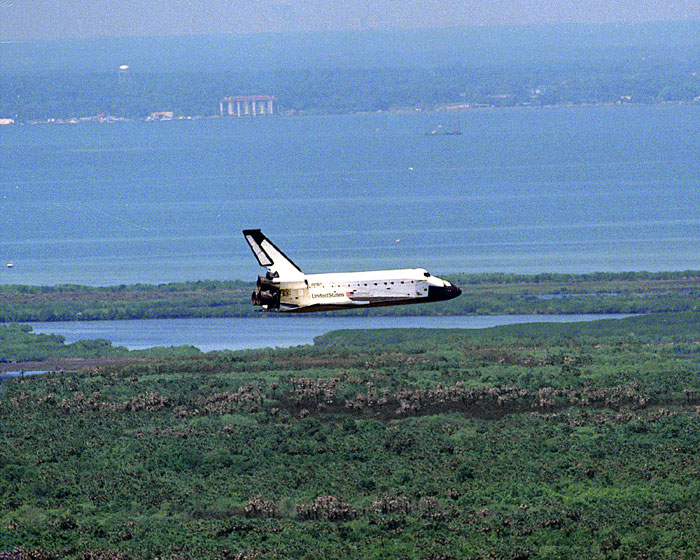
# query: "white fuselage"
357, 289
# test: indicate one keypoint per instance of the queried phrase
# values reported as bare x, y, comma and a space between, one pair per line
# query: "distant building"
247, 105
161, 116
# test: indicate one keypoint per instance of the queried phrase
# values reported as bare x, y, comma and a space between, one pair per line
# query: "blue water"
268, 331
522, 190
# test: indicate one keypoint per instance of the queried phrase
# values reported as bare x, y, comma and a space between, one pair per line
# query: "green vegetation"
19, 344
139, 301
527, 441
483, 294
342, 90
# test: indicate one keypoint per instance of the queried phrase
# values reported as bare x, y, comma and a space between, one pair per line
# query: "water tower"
123, 73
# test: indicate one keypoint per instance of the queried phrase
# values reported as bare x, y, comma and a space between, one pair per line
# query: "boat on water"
440, 130
10, 264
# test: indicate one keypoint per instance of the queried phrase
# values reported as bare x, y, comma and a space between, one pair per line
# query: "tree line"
343, 90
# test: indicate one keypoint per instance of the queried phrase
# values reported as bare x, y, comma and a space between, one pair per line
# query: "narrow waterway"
268, 331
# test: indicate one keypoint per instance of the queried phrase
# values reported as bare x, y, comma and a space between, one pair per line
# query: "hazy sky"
52, 19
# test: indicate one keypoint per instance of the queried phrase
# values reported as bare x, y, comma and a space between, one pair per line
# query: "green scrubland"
535, 441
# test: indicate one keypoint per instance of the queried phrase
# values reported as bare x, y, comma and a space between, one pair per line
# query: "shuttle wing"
272, 258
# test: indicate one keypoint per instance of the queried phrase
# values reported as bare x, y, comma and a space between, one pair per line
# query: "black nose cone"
443, 293
452, 292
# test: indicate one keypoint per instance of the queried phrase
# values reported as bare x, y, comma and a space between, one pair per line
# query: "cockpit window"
426, 274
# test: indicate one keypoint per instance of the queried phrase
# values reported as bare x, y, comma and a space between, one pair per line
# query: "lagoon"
271, 331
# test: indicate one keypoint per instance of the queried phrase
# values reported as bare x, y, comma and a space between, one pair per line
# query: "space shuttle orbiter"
286, 288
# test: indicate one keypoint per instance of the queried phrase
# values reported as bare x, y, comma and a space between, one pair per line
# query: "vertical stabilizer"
269, 256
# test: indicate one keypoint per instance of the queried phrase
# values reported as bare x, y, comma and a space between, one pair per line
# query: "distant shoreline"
447, 108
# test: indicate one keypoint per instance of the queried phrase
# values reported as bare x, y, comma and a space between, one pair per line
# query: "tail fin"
269, 256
